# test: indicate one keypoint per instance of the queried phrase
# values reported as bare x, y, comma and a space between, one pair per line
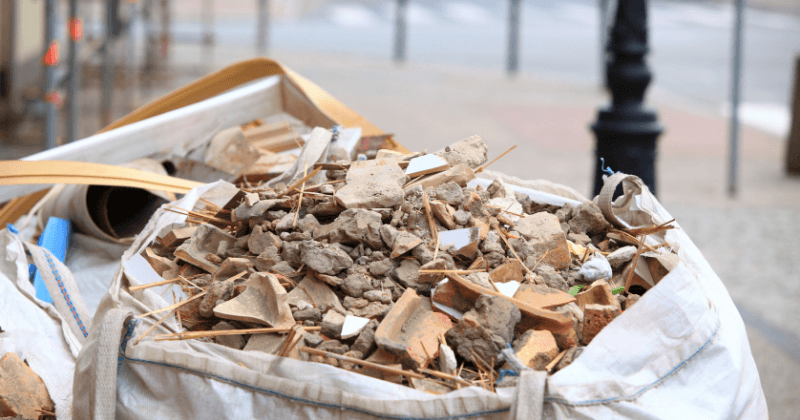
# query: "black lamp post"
626, 130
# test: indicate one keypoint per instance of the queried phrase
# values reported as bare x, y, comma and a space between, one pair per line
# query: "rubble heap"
395, 269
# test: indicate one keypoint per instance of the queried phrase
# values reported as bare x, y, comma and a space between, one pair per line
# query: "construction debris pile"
395, 269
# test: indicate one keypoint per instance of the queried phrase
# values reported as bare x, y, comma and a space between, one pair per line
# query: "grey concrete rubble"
412, 273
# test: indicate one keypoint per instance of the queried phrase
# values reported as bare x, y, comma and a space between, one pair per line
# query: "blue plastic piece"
55, 238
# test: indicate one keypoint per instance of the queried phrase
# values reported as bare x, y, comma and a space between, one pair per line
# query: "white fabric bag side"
47, 336
652, 362
680, 352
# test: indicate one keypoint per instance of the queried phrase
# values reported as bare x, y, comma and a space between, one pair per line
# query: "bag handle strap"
63, 290
529, 401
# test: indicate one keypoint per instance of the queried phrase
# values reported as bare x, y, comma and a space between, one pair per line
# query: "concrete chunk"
471, 151
372, 183
543, 233
353, 226
325, 259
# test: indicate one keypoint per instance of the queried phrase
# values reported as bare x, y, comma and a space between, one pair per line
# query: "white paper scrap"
353, 325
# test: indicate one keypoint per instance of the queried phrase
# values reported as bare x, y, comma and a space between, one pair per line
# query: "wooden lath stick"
651, 230
175, 306
189, 335
431, 223
161, 283
363, 363
513, 252
300, 197
442, 375
197, 215
479, 170
634, 263
154, 326
301, 181
434, 271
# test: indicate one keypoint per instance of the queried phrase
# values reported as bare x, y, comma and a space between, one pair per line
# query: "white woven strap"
63, 290
529, 403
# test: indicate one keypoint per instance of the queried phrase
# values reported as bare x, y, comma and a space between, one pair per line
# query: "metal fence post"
735, 84
50, 60
108, 63
400, 31
165, 36
262, 32
512, 63
627, 131
603, 5
208, 22
75, 35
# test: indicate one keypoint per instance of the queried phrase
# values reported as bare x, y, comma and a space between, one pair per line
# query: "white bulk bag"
48, 336
680, 352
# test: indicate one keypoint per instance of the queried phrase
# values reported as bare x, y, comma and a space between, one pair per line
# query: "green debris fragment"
618, 290
574, 290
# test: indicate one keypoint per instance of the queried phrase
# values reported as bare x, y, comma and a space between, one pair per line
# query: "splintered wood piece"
365, 363
650, 230
261, 303
442, 375
154, 326
482, 168
291, 340
201, 216
155, 284
431, 223
300, 181
626, 238
451, 271
300, 197
177, 236
175, 306
189, 335
634, 262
